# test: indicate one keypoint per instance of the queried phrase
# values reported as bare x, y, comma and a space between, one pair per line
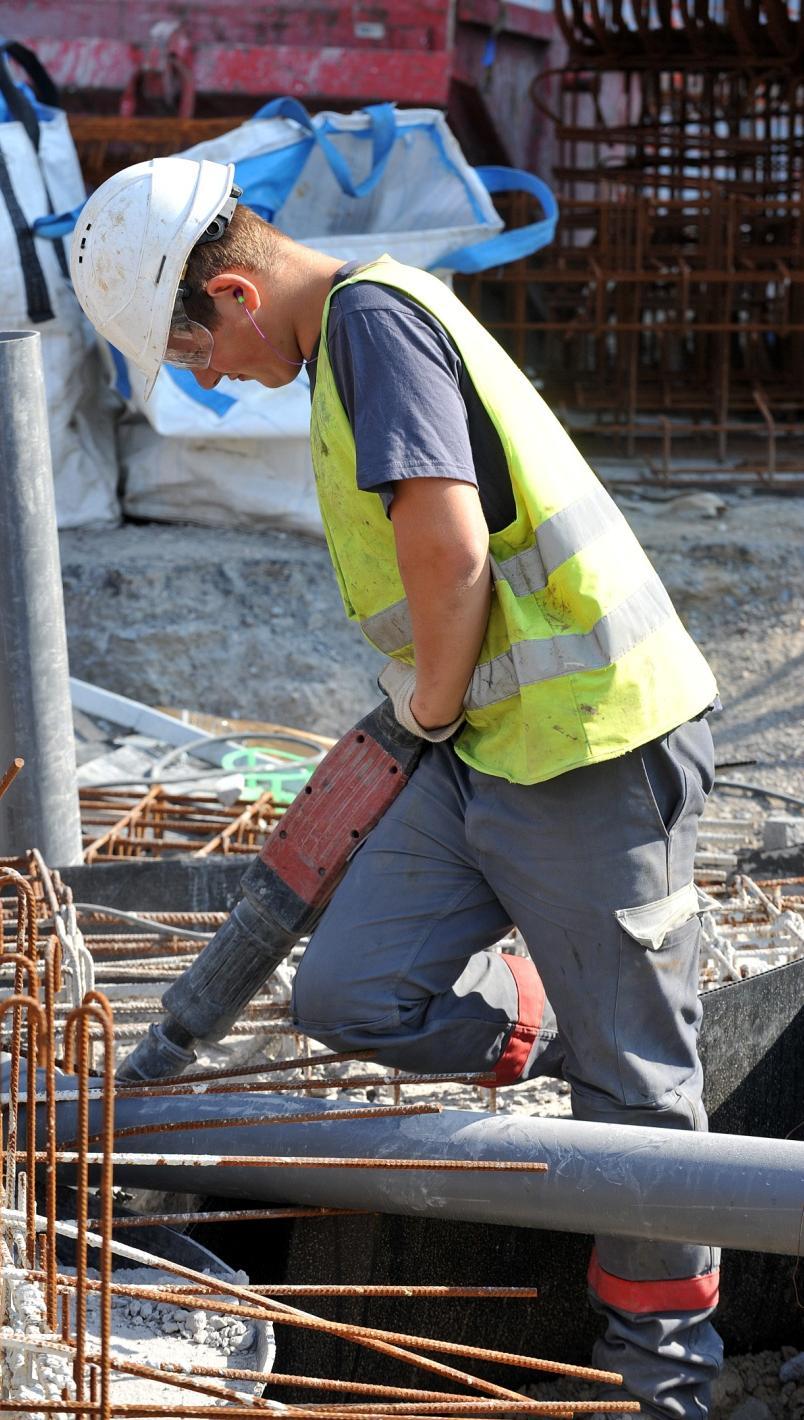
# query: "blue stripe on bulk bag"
122, 382
382, 127
43, 113
437, 138
514, 244
186, 381
57, 224
267, 179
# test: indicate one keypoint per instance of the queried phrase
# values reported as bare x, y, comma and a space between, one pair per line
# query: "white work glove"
399, 683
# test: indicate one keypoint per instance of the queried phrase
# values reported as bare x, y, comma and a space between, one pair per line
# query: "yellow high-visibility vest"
584, 657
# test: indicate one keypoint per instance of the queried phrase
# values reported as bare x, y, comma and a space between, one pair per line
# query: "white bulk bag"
40, 173
351, 185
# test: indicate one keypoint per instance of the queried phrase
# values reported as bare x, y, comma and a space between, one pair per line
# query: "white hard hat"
131, 243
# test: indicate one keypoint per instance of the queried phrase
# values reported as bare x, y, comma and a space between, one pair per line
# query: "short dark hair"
249, 243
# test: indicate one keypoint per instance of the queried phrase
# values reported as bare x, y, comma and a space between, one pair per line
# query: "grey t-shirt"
413, 410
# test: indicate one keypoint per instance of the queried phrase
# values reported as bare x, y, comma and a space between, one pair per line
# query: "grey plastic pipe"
40, 810
717, 1189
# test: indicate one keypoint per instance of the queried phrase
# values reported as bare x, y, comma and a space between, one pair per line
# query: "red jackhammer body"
285, 890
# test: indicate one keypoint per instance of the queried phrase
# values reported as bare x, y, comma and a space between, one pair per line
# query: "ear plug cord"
241, 300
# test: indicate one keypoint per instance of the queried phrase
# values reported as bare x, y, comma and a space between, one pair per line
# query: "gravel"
250, 625
159, 1334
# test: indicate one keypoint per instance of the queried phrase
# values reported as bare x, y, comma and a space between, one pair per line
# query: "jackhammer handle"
285, 889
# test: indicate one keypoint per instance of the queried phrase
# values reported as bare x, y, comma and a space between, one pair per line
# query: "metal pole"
40, 810
718, 1189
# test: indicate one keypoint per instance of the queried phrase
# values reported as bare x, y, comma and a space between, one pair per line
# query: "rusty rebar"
53, 983
187, 1291
173, 1126
94, 1007
10, 1155
314, 1082
449, 1406
266, 1067
255, 1307
236, 1215
93, 1369
289, 1316
176, 1411
273, 1161
10, 774
27, 926
369, 1337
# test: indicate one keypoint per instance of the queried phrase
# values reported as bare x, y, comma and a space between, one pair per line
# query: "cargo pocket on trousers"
650, 923
658, 1011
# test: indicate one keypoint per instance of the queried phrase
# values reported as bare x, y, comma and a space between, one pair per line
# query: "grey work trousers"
594, 868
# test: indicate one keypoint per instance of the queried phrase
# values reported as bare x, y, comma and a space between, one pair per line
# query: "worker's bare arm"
442, 550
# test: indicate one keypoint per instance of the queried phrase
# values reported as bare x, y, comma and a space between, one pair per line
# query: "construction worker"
531, 643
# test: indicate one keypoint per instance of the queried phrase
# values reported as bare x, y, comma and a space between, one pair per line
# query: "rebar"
250, 1121
288, 1161
45, 1024
175, 1411
234, 1215
160, 821
670, 307
10, 774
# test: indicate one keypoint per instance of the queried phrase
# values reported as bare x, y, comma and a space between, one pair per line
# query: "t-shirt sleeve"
398, 377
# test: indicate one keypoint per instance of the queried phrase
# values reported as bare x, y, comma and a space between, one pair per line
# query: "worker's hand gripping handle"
284, 890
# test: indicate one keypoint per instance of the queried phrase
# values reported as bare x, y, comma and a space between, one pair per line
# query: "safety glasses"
189, 345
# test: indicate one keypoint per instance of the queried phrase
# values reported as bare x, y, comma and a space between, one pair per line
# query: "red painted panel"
325, 73
88, 63
332, 73
409, 24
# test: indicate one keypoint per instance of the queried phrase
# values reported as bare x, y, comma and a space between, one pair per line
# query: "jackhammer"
285, 890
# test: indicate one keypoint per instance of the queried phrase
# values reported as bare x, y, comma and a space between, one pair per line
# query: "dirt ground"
249, 623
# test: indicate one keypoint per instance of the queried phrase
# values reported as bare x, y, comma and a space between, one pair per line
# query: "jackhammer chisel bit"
285, 890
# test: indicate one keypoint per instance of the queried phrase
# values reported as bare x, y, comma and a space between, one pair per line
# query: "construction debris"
159, 822
146, 788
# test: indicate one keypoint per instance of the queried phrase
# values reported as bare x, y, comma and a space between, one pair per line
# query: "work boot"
668, 1363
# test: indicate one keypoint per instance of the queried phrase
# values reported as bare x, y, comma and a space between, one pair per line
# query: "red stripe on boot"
674, 1294
530, 1008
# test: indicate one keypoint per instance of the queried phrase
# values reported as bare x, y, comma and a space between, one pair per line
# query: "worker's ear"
230, 285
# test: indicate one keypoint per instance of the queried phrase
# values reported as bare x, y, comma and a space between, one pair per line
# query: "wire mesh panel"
669, 310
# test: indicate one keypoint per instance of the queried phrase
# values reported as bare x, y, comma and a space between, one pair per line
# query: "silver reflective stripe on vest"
613, 636
559, 538
568, 532
391, 629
